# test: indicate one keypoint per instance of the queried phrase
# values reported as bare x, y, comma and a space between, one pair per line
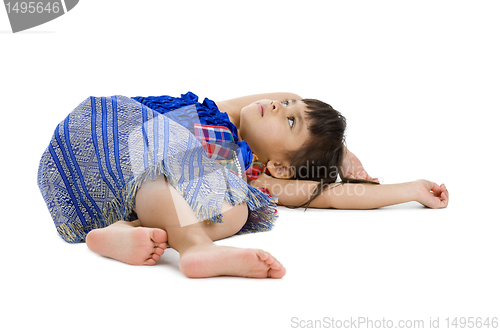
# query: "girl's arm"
238, 103
354, 195
371, 196
353, 169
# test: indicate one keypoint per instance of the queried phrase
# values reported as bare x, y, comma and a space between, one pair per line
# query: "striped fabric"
107, 146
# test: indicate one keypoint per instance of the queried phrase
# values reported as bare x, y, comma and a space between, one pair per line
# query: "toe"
276, 274
271, 260
162, 245
276, 265
159, 251
150, 262
262, 254
155, 257
159, 236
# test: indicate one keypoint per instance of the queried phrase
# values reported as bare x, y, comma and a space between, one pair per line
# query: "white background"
419, 84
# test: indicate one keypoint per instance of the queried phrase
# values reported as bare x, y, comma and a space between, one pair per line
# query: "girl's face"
272, 128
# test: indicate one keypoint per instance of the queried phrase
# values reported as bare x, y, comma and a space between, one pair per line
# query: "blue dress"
187, 111
106, 147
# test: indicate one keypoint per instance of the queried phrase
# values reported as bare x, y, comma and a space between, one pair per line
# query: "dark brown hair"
320, 158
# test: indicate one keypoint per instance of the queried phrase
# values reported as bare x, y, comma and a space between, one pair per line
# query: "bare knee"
235, 217
93, 239
154, 204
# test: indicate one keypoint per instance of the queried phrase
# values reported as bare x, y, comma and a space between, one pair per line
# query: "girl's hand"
353, 169
431, 195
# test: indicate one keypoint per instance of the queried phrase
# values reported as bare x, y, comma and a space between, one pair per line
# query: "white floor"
419, 86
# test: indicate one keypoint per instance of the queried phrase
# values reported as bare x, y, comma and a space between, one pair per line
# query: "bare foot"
126, 243
213, 260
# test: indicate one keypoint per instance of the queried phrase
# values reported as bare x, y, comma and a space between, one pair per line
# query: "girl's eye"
291, 121
285, 102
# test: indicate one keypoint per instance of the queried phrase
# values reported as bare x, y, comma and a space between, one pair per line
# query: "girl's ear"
280, 170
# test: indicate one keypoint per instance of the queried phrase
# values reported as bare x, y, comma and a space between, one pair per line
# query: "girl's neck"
233, 113
234, 120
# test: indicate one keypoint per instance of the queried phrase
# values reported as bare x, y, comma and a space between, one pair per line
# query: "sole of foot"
131, 245
212, 261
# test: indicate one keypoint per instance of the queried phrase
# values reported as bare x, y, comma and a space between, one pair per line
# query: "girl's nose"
274, 106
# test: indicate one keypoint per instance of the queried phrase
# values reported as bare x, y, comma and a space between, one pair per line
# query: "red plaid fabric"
217, 141
219, 144
256, 169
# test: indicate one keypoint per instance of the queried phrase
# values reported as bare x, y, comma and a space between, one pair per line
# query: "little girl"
122, 173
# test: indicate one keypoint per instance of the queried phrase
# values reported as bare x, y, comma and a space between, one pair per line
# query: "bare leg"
159, 205
128, 242
131, 243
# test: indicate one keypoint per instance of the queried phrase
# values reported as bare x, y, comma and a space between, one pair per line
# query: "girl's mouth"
261, 109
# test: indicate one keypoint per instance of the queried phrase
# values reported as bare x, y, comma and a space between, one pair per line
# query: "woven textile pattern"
104, 149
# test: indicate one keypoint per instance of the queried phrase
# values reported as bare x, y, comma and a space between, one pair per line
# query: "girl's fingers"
436, 189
